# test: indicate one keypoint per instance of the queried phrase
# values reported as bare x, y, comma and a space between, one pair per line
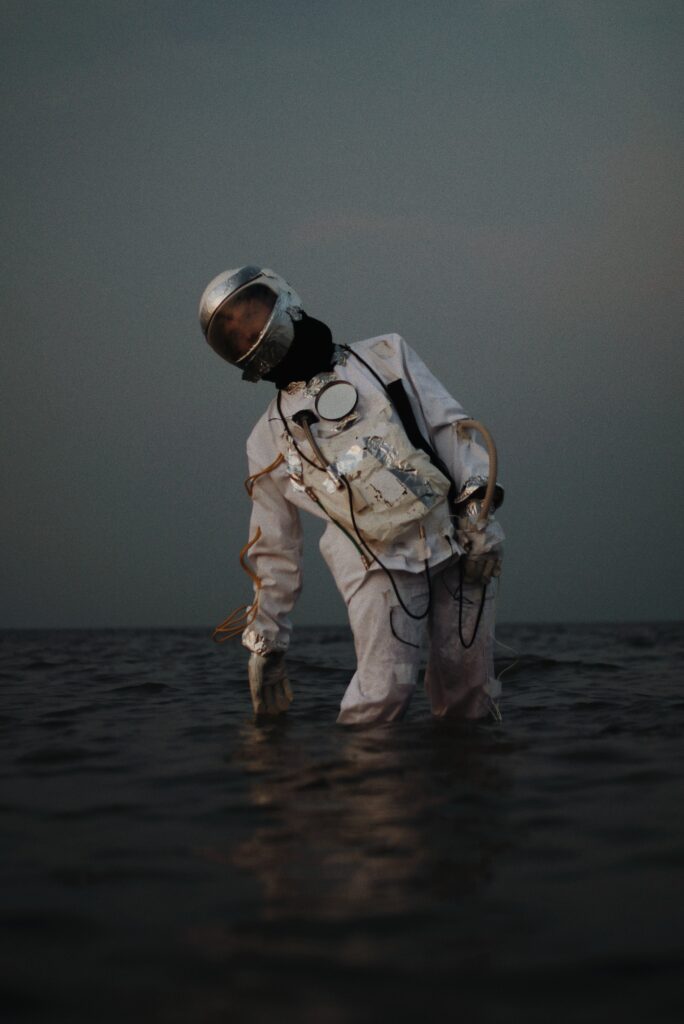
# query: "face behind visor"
247, 316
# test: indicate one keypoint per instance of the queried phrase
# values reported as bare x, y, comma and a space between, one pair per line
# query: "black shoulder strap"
396, 393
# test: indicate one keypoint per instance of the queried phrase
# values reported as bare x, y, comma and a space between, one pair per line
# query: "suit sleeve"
275, 555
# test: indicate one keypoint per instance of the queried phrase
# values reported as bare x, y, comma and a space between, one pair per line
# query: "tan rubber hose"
493, 463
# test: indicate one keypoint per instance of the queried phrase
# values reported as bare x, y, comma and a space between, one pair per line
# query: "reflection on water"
170, 860
391, 820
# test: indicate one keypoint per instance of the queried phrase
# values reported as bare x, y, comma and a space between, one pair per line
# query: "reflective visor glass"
237, 325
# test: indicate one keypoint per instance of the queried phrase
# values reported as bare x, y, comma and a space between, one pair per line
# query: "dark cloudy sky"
500, 181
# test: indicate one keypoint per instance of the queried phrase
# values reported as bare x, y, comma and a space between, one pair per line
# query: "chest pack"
364, 472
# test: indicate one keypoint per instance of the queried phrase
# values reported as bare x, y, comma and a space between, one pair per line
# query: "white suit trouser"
459, 681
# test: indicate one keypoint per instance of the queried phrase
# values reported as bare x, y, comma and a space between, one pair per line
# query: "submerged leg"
387, 668
460, 681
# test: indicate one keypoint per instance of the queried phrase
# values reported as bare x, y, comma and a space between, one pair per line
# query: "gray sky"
498, 181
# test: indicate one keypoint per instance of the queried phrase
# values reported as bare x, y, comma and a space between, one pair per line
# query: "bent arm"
467, 461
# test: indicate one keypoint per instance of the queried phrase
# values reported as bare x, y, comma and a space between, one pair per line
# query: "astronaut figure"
366, 438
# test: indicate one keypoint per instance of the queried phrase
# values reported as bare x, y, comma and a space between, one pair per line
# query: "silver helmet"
247, 316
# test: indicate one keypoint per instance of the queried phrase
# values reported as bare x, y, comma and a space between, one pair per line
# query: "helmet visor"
239, 323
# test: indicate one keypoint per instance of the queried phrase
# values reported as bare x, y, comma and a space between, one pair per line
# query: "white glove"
268, 683
482, 542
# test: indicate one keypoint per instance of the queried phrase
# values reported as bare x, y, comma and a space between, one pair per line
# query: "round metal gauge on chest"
336, 400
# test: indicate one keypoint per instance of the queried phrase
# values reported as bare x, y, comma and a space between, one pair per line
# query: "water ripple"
170, 860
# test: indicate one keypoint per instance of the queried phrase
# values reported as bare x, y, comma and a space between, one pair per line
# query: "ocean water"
166, 859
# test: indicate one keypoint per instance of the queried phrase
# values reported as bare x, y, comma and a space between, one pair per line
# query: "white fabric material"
277, 498
459, 681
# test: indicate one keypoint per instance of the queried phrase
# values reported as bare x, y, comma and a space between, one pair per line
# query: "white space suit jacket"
277, 495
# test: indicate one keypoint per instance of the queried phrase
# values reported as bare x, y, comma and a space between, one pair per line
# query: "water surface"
167, 859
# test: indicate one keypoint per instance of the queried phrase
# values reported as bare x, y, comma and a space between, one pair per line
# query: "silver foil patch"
257, 643
295, 470
318, 382
472, 484
338, 427
340, 355
350, 461
312, 387
388, 456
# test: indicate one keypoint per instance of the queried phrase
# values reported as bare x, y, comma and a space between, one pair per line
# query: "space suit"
397, 479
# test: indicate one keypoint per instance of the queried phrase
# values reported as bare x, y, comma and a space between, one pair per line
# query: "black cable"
419, 442
371, 554
396, 635
348, 348
290, 435
384, 568
462, 599
461, 574
390, 577
374, 558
